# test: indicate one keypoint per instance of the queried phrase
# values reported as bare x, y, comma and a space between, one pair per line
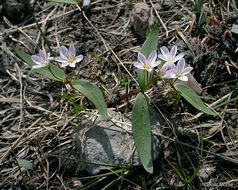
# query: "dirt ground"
37, 116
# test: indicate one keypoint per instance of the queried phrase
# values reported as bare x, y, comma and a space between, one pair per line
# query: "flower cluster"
169, 69
67, 57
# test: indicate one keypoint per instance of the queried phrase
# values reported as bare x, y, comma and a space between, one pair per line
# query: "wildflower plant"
171, 67
52, 68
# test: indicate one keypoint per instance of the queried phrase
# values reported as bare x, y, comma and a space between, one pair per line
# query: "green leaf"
70, 2
148, 47
25, 164
198, 6
94, 94
43, 71
58, 73
191, 96
141, 130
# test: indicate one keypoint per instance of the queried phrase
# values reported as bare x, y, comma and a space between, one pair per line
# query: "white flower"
170, 57
147, 64
42, 60
68, 56
178, 71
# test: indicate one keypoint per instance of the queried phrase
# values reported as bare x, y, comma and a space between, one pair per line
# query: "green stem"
43, 35
23, 178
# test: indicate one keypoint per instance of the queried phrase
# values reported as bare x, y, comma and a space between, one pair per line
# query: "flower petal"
61, 59
142, 58
173, 51
72, 64
160, 56
38, 66
64, 52
183, 78
169, 75
79, 58
168, 65
152, 57
72, 50
178, 57
139, 65
187, 70
36, 59
155, 64
164, 50
181, 64
43, 55
64, 64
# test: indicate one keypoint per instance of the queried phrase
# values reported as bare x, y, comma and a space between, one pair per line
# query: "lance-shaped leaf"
148, 47
94, 94
58, 74
25, 164
141, 130
191, 96
70, 2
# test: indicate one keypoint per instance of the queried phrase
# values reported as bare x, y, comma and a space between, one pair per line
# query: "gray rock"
104, 142
142, 18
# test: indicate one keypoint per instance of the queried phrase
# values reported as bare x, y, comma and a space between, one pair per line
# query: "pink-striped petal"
160, 56
181, 64
72, 50
64, 52
170, 74
61, 59
142, 58
164, 50
64, 64
39, 66
187, 70
178, 57
43, 55
168, 65
152, 57
173, 51
155, 64
139, 65
79, 58
36, 59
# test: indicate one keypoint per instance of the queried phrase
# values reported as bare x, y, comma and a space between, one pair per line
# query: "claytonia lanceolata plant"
169, 57
147, 64
41, 61
178, 71
44, 65
173, 68
68, 56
